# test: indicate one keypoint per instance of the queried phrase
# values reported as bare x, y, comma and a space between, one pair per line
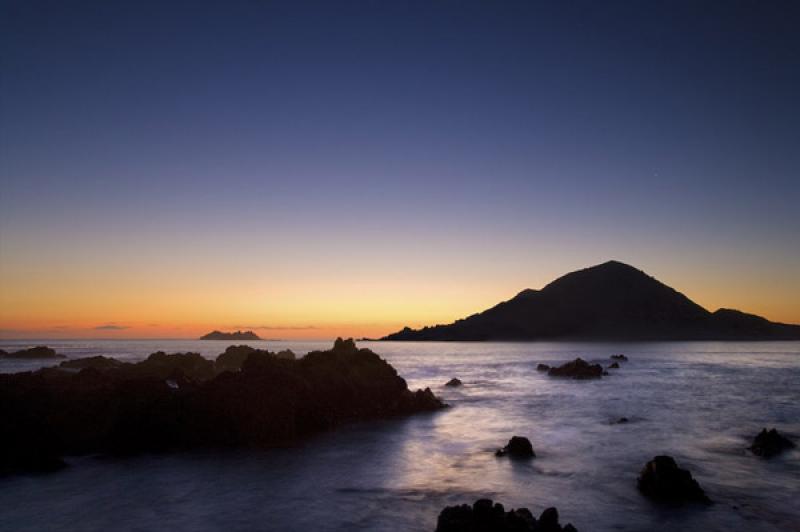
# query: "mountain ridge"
609, 301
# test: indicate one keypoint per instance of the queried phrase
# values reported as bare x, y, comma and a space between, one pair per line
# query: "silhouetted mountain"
611, 301
238, 335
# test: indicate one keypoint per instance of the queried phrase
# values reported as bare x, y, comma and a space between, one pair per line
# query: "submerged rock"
487, 516
620, 421
768, 443
621, 358
454, 382
542, 367
40, 351
172, 402
614, 365
517, 447
577, 369
661, 479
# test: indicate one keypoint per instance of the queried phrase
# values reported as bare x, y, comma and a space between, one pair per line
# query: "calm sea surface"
699, 402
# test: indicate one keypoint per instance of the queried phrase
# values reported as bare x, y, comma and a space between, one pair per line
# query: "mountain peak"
609, 301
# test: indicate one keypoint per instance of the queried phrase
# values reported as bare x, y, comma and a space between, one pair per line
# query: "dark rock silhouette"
768, 443
172, 402
488, 516
238, 335
578, 369
614, 365
40, 351
454, 382
621, 358
542, 367
661, 479
96, 362
621, 421
611, 301
517, 447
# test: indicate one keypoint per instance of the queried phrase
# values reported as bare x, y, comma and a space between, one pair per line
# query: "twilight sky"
314, 169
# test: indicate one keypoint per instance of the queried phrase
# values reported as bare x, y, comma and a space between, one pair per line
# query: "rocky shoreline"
185, 401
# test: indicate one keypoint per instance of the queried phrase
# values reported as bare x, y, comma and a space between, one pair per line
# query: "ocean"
701, 402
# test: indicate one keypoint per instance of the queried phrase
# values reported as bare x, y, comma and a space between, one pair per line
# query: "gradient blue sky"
366, 165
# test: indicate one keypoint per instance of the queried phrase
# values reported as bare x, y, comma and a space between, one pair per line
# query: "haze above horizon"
307, 170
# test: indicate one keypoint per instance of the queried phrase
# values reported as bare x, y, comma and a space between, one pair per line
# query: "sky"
314, 169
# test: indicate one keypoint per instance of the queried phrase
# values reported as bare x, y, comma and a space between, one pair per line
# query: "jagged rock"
487, 516
97, 362
614, 365
621, 358
542, 367
40, 351
178, 402
768, 443
661, 479
286, 354
517, 447
577, 369
454, 382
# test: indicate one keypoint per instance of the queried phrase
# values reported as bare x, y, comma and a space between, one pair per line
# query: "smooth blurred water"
700, 402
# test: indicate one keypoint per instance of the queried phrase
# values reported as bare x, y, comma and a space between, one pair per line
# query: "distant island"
238, 335
611, 301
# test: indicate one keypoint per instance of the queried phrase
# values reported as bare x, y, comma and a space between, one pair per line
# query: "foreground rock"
454, 383
172, 402
33, 353
517, 447
542, 367
97, 362
662, 480
487, 516
577, 369
768, 443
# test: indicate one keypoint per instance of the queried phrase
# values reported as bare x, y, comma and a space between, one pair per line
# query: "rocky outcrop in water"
33, 353
662, 480
454, 383
621, 358
517, 447
577, 369
769, 443
172, 402
614, 365
488, 516
233, 336
542, 367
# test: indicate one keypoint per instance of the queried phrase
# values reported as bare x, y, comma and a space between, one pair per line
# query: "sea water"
700, 402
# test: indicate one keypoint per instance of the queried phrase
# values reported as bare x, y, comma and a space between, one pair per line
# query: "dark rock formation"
577, 369
542, 367
487, 516
614, 365
454, 382
768, 443
661, 479
96, 362
517, 447
238, 336
620, 421
40, 351
171, 402
286, 354
611, 301
621, 358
